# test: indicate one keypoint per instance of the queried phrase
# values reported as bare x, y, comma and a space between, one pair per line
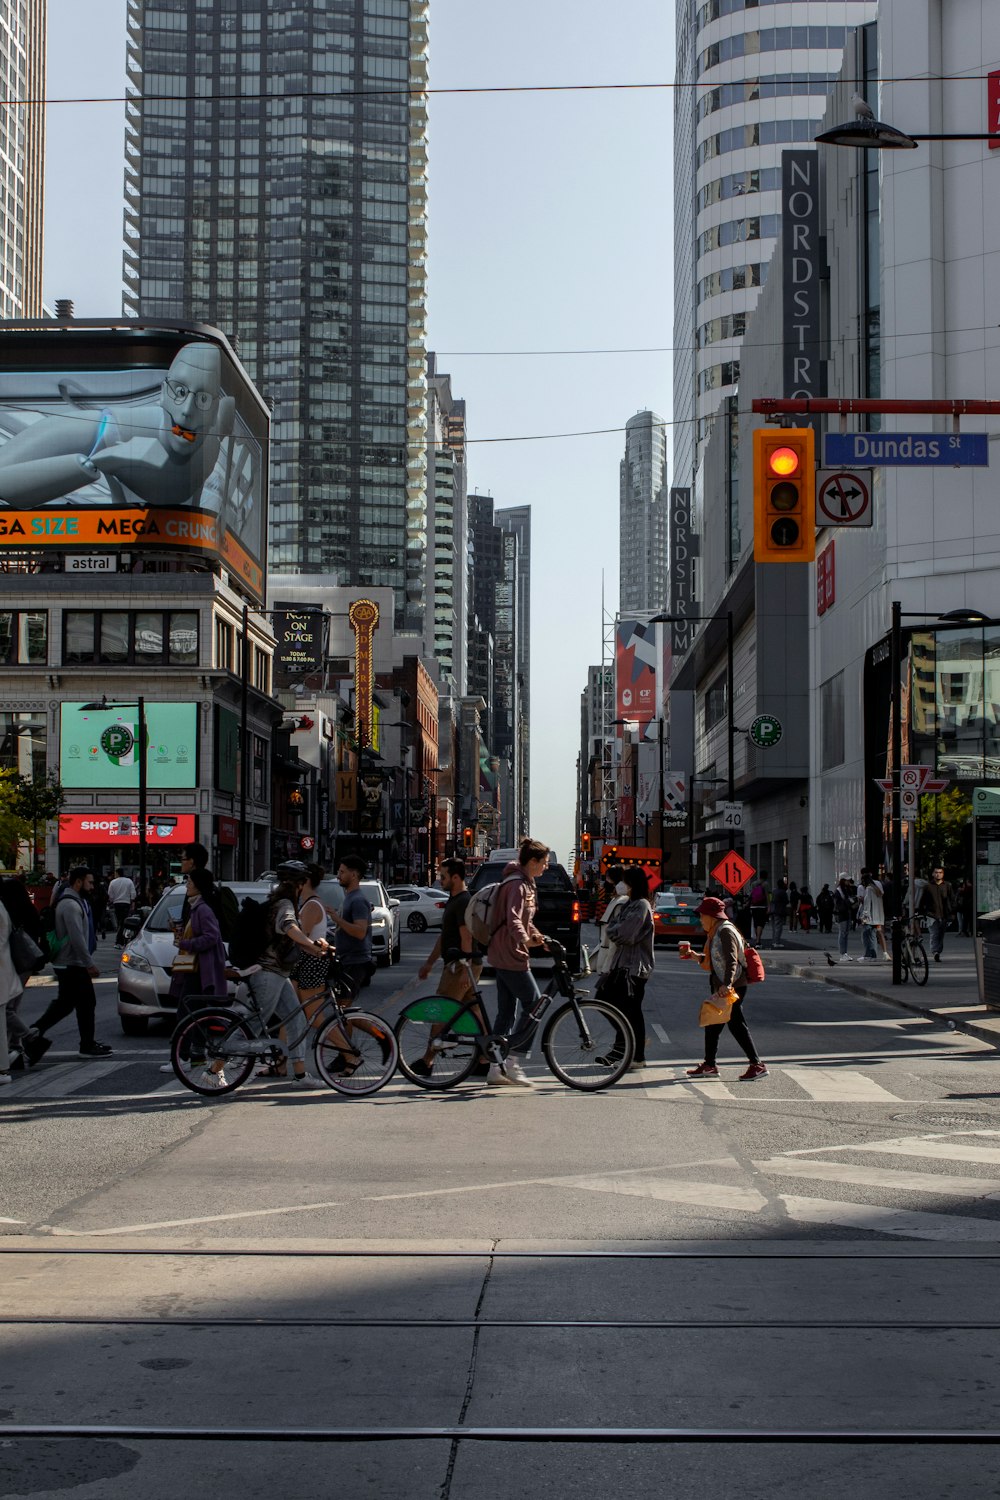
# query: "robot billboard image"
153, 442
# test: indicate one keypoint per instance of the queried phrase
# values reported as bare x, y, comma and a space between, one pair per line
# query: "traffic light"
468, 837
784, 486
585, 842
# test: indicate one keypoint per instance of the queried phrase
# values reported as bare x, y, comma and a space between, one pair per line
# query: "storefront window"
23, 743
149, 636
955, 702
184, 640
114, 636
23, 637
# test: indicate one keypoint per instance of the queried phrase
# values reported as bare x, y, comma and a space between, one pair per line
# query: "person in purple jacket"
205, 939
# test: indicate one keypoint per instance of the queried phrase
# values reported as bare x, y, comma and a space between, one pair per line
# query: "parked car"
420, 907
144, 965
675, 915
386, 925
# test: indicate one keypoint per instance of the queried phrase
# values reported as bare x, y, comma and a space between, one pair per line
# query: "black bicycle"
587, 1043
215, 1049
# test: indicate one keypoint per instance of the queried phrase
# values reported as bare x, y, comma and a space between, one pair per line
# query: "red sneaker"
703, 1070
755, 1070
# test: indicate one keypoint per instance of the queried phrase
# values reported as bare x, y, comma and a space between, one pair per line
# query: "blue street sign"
846, 450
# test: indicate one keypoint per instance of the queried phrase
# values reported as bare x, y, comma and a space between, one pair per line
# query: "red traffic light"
783, 462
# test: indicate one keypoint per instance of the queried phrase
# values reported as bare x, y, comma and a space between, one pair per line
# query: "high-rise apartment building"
516, 519
276, 187
448, 529
642, 516
749, 85
22, 149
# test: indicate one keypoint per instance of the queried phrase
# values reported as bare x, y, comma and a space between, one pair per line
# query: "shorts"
311, 972
455, 983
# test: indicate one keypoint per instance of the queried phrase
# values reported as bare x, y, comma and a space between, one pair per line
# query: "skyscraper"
747, 87
22, 148
642, 516
448, 529
276, 187
516, 519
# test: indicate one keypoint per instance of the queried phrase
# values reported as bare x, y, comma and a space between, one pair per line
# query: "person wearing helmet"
271, 986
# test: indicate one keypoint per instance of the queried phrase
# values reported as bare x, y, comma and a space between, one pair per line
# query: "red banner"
993, 107
105, 828
635, 671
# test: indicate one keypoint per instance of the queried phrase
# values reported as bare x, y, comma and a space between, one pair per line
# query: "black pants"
122, 909
630, 1006
737, 1026
76, 992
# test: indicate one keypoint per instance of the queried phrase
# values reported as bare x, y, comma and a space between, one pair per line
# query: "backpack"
50, 945
479, 914
753, 964
252, 934
758, 896
227, 911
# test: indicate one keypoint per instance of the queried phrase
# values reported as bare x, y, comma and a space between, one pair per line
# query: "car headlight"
137, 962
378, 921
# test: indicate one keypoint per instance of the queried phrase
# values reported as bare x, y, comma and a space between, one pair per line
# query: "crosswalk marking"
663, 1036
667, 1189
935, 1148
837, 1084
852, 1174
900, 1221
711, 1088
60, 1086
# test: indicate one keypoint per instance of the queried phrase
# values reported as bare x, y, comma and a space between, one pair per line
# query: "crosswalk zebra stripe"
853, 1174
936, 1150
61, 1086
840, 1085
668, 1190
905, 1222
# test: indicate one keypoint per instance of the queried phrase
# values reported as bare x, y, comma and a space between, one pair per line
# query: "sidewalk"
950, 994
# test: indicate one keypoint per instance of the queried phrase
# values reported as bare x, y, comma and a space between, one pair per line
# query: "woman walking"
310, 973
616, 900
198, 974
631, 933
724, 959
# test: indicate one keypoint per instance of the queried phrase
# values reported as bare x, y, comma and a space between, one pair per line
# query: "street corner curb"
842, 981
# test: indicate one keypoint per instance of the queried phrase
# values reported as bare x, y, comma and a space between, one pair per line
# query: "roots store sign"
132, 441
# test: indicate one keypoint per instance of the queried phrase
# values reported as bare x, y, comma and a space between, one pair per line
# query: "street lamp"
730, 706
427, 773
405, 748
868, 134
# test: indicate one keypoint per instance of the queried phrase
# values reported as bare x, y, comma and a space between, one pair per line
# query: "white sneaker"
845, 958
887, 958
516, 1074
5, 1078
496, 1075
305, 1080
167, 1068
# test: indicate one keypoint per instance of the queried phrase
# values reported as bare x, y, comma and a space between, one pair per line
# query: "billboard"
299, 629
99, 747
635, 671
123, 828
129, 439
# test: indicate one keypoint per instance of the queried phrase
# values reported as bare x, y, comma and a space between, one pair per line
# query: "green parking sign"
765, 731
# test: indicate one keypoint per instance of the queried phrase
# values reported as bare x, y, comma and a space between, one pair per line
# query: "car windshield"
166, 910
372, 891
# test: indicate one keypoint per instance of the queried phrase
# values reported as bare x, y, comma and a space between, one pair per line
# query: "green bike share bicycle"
587, 1043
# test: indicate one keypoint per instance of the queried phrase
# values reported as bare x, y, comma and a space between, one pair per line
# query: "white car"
419, 906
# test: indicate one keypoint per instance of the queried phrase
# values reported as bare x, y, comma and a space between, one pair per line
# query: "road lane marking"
78, 1078
855, 1175
899, 1221
711, 1088
838, 1085
933, 1146
668, 1190
664, 1038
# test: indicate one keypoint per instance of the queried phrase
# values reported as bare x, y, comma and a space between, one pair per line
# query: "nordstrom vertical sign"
803, 367
683, 548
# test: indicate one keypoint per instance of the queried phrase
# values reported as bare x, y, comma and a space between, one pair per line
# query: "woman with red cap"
724, 959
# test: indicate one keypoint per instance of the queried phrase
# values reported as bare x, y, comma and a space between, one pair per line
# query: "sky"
551, 228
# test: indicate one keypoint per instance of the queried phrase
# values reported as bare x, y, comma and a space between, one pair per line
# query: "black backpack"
252, 933
227, 911
50, 945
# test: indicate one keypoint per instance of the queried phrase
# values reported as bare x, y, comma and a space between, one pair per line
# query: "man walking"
121, 896
75, 969
354, 922
938, 903
456, 982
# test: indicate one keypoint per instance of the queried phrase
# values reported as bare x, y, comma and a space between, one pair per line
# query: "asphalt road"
876, 1137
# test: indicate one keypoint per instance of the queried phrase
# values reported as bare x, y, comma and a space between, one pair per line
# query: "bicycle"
587, 1044
214, 1050
913, 954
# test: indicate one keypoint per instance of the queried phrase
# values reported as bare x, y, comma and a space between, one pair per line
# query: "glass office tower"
276, 188
22, 149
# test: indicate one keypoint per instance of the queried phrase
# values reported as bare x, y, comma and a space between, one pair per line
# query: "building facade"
276, 188
448, 530
516, 519
643, 516
22, 153
749, 84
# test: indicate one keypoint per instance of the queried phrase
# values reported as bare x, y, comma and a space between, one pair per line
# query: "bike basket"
437, 1008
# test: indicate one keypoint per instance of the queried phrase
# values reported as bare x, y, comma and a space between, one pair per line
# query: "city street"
875, 1136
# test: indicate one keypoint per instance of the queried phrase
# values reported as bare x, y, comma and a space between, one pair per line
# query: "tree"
25, 806
944, 832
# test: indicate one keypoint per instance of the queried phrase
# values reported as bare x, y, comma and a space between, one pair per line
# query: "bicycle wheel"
206, 1038
919, 967
433, 1052
593, 1055
367, 1064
